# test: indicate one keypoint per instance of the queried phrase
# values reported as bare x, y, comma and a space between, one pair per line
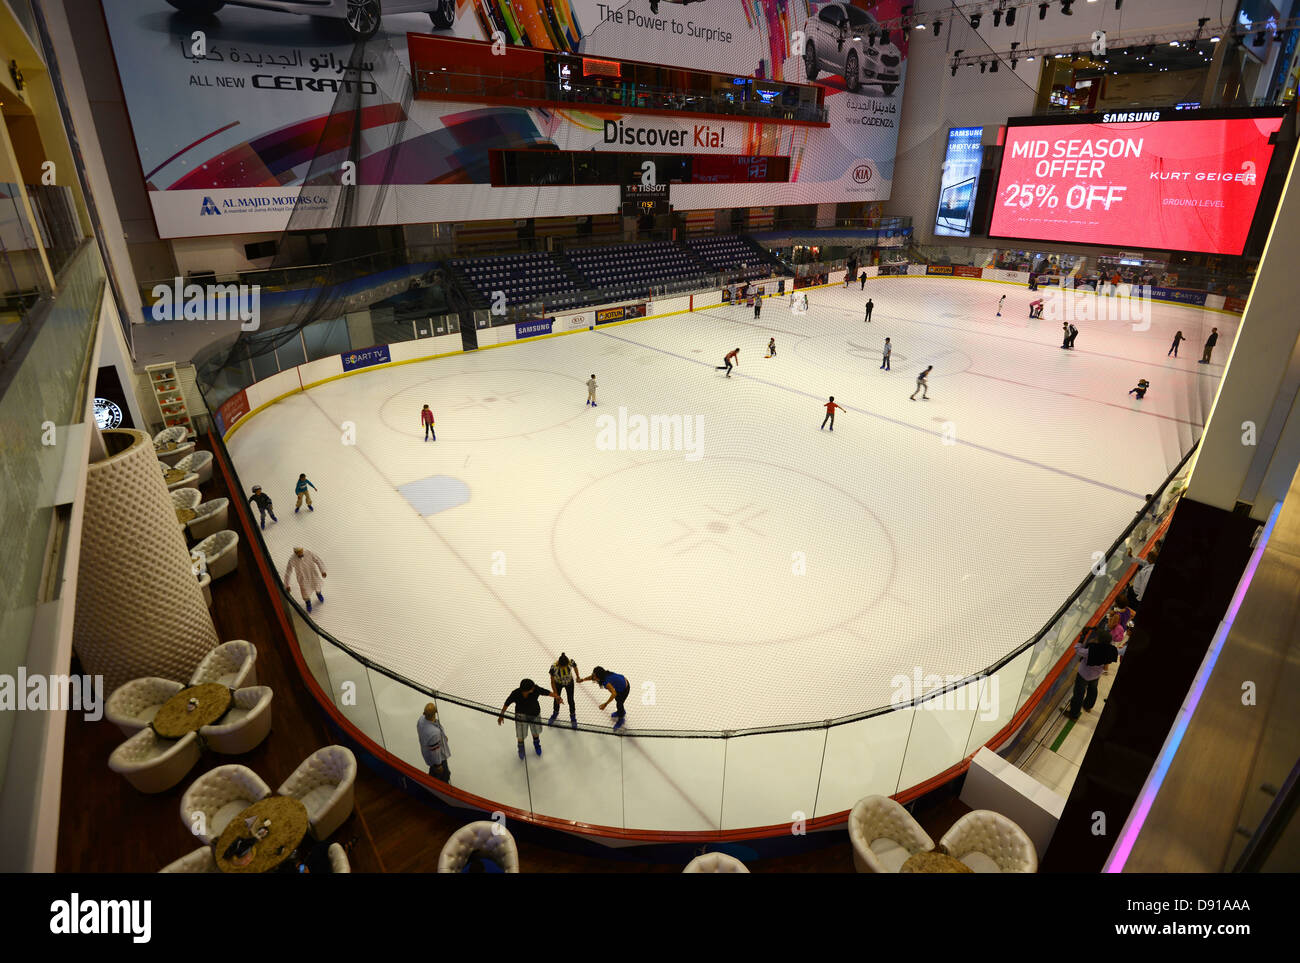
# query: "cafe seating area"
887, 839
220, 552
231, 664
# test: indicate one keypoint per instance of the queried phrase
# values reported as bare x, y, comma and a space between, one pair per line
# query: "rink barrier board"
830, 822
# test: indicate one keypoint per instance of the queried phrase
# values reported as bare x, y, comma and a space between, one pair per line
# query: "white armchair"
221, 550
185, 498
175, 436
199, 462
232, 664
487, 837
324, 783
200, 860
715, 863
988, 842
244, 726
132, 706
151, 764
212, 517
339, 859
218, 796
884, 835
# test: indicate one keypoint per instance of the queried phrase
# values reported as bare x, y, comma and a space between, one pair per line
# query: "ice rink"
769, 572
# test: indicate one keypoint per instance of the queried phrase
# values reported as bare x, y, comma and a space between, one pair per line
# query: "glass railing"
42, 397
659, 782
446, 84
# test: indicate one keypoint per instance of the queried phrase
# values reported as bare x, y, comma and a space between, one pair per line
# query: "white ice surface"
682, 574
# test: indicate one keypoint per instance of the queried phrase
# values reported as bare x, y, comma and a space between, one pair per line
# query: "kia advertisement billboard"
240, 110
1160, 179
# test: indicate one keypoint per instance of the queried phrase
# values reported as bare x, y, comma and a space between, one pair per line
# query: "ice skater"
1141, 389
870, 305
1000, 300
1065, 334
831, 407
885, 353
727, 362
263, 502
758, 305
1178, 337
591, 391
426, 418
305, 565
863, 278
300, 489
805, 301
1036, 309
922, 384
1070, 336
563, 672
619, 689
528, 713
771, 347
1210, 342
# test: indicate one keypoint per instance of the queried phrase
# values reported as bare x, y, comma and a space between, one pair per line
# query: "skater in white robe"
305, 565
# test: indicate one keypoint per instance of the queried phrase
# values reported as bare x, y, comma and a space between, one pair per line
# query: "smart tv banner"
960, 181
1177, 181
1181, 295
230, 111
231, 410
532, 329
366, 357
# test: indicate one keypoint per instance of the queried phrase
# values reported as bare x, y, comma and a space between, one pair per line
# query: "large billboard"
231, 110
1156, 179
960, 181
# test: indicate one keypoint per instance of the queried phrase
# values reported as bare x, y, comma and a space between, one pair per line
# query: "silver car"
361, 16
843, 39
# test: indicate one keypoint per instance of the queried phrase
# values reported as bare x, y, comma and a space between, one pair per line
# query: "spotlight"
1042, 11
997, 18
993, 67
1215, 39
920, 26
937, 25
1173, 43
975, 20
1065, 8
983, 66
1030, 58
1011, 17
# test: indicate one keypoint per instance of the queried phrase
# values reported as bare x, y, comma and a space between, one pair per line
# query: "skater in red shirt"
831, 407
426, 419
727, 362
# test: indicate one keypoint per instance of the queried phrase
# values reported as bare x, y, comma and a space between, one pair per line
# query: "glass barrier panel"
483, 759
399, 707
999, 698
673, 784
863, 758
350, 690
941, 728
290, 354
310, 644
326, 338
770, 777
597, 796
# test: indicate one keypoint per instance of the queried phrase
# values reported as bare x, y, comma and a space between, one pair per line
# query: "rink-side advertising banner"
1178, 181
960, 181
954, 270
231, 111
532, 329
365, 358
231, 410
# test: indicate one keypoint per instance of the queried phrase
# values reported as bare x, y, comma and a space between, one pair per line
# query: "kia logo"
862, 173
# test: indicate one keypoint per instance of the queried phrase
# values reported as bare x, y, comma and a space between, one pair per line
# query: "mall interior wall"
934, 100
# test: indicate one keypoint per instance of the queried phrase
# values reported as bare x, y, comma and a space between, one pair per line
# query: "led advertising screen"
960, 181
1160, 179
241, 116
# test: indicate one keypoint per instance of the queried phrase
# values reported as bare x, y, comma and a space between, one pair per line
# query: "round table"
169, 446
934, 863
176, 718
172, 475
288, 826
184, 515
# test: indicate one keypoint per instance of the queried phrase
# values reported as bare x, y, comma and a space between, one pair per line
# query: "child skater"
1141, 389
300, 489
771, 347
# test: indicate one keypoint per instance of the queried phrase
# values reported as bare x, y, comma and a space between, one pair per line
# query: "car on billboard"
842, 40
654, 4
361, 16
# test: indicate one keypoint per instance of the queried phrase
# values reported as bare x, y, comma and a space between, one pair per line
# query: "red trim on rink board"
835, 820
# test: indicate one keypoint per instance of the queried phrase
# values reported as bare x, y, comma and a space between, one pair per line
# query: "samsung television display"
960, 182
241, 111
1158, 179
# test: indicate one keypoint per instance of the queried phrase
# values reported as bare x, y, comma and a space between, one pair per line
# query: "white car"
361, 16
842, 39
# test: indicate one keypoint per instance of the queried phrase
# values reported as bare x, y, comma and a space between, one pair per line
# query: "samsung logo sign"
1130, 117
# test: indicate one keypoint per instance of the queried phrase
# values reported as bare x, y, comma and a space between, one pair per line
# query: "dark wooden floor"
107, 826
